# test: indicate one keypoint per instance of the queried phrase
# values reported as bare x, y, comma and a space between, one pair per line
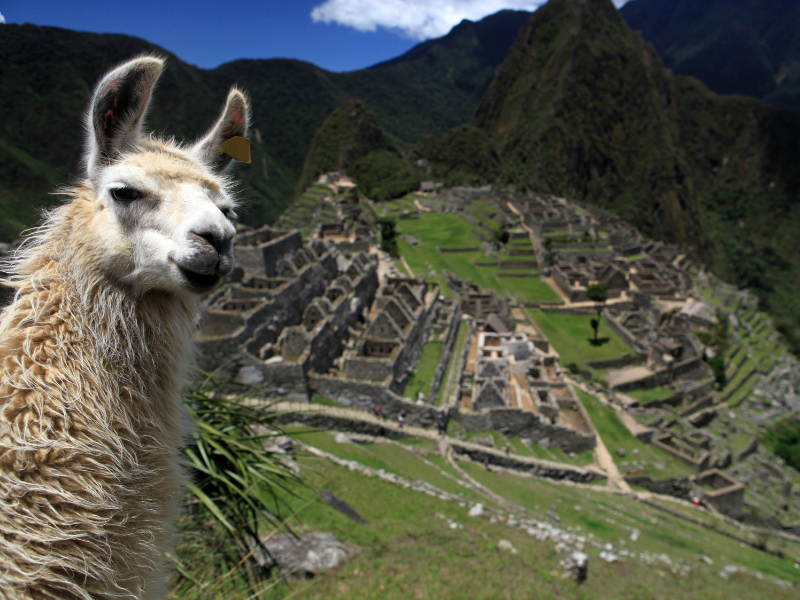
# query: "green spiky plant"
236, 481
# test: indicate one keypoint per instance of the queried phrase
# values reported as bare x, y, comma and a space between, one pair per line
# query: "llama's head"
161, 214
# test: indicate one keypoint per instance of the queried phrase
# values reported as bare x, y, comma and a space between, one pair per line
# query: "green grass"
420, 380
571, 337
455, 358
581, 459
529, 289
326, 402
436, 230
407, 551
616, 435
611, 517
656, 393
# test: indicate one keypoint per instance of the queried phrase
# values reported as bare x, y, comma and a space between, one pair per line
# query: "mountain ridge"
290, 99
583, 108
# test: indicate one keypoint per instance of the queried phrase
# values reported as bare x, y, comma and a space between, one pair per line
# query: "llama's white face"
162, 219
168, 221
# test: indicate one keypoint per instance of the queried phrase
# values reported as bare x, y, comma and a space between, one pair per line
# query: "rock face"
313, 553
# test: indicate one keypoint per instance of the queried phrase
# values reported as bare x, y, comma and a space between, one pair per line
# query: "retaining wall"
452, 333
513, 422
364, 395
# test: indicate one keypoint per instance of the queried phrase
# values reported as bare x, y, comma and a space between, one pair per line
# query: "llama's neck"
134, 347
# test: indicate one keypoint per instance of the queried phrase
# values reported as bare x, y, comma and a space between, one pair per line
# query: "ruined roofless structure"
287, 311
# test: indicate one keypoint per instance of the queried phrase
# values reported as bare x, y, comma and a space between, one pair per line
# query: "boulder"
312, 553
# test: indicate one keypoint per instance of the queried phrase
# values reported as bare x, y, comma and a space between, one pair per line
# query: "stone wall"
534, 467
463, 360
260, 260
412, 348
676, 487
363, 395
517, 264
617, 363
450, 340
621, 331
513, 422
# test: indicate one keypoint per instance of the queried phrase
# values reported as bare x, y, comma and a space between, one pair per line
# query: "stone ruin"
511, 385
284, 312
388, 344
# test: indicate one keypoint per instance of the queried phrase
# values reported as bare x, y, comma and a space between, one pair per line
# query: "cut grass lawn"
420, 380
454, 361
571, 337
656, 393
436, 230
615, 435
529, 289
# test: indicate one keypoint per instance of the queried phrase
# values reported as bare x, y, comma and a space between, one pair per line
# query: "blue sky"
338, 35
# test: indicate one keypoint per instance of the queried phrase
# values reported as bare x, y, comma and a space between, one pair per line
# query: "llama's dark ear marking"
232, 123
118, 108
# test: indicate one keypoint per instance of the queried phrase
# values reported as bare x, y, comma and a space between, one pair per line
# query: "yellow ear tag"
238, 148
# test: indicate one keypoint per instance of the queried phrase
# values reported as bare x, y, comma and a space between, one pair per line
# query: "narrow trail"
446, 451
603, 456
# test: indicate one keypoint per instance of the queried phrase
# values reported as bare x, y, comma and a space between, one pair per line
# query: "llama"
95, 347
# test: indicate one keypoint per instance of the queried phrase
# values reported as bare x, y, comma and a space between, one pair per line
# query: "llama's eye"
125, 195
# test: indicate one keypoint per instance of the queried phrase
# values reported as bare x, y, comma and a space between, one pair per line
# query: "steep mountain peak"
490, 39
582, 107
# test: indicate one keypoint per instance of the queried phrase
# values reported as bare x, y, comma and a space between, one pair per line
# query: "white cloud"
2, 19
620, 3
419, 19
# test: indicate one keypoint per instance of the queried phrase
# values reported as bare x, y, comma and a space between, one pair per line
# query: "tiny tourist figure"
400, 418
378, 411
507, 448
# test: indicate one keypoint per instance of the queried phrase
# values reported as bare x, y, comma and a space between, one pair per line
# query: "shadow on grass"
599, 341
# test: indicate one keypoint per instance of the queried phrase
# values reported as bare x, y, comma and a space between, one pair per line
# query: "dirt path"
601, 453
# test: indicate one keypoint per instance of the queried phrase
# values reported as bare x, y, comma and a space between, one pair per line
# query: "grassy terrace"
409, 552
571, 336
529, 289
422, 377
656, 393
654, 462
451, 231
454, 360
555, 454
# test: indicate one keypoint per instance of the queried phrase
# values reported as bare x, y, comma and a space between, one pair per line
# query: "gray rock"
312, 553
476, 511
577, 566
621, 452
341, 438
506, 546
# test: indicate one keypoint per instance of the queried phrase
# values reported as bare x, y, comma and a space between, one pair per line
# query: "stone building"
397, 327
286, 311
575, 277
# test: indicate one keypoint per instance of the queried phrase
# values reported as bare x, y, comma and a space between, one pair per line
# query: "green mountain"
47, 75
749, 47
583, 108
352, 140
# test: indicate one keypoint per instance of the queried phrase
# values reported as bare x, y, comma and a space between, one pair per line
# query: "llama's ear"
118, 107
215, 149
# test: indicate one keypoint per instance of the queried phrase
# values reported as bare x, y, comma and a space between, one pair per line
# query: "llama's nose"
217, 246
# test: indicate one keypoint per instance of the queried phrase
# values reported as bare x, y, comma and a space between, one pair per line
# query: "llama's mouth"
197, 282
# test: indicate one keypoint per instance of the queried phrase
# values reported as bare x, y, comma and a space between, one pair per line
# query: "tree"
597, 293
388, 235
